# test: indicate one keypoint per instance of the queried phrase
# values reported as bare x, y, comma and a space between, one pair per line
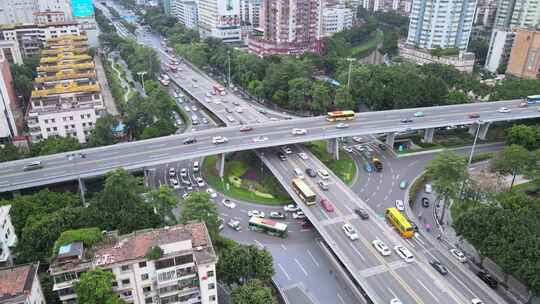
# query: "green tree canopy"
102, 134
94, 287
164, 200
512, 160
199, 207
254, 292
53, 145
522, 135
241, 263
9, 152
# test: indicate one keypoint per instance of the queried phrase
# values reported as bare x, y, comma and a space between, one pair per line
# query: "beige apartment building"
524, 59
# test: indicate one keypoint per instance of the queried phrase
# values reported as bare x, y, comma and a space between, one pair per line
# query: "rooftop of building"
135, 246
16, 281
16, 26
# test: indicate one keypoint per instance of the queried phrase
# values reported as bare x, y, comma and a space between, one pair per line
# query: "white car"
299, 215
227, 203
277, 215
187, 109
504, 110
212, 192
291, 208
404, 253
299, 131
342, 125
381, 247
194, 108
174, 183
208, 94
350, 232
260, 139
286, 149
323, 174
395, 301
239, 110
234, 224
298, 173
459, 255
347, 149
199, 181
172, 172
219, 140
303, 155
428, 188
358, 139
400, 205
183, 172
476, 301
256, 213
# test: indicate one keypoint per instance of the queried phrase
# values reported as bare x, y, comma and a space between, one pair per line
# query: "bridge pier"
390, 137
482, 133
428, 135
332, 147
220, 164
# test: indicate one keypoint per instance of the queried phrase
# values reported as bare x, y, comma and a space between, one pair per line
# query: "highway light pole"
479, 124
141, 74
73, 157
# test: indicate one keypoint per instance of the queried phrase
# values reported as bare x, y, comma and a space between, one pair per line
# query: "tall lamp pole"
73, 157
479, 124
141, 74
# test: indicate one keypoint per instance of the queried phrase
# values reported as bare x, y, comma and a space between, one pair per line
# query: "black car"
406, 120
414, 226
311, 173
362, 213
282, 156
190, 140
382, 147
439, 267
425, 202
488, 279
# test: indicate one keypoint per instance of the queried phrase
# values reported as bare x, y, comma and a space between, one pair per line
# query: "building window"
114, 284
142, 264
144, 276
46, 121
71, 118
52, 120
147, 289
82, 116
127, 293
124, 267
55, 128
210, 273
84, 125
87, 115
48, 129
212, 298
211, 286
148, 300
125, 281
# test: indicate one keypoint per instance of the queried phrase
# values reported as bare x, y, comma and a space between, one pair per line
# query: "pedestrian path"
110, 103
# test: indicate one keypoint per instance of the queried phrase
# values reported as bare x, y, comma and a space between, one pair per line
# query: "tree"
9, 152
241, 263
448, 173
344, 99
53, 145
163, 200
512, 160
321, 97
254, 292
480, 49
522, 135
102, 134
94, 287
199, 207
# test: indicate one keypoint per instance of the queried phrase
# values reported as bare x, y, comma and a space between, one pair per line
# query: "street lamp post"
141, 74
73, 157
479, 124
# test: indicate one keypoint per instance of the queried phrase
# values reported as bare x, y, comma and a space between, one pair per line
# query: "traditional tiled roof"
15, 281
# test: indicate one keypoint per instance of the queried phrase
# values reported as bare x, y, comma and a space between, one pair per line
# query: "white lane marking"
313, 258
340, 298
357, 252
461, 283
427, 289
417, 236
259, 243
412, 164
392, 292
301, 267
159, 155
283, 246
410, 243
284, 272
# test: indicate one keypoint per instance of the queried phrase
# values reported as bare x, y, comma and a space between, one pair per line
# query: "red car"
245, 129
327, 205
474, 115
306, 224
523, 105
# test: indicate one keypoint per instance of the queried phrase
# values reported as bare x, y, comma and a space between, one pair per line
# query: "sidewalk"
105, 90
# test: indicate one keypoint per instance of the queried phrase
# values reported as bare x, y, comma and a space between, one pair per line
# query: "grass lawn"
235, 167
344, 168
368, 46
530, 188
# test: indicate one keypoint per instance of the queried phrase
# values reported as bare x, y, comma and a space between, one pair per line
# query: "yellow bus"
396, 218
304, 192
340, 115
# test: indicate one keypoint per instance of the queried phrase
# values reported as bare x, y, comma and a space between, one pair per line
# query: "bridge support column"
390, 140
482, 132
332, 147
220, 164
428, 135
82, 190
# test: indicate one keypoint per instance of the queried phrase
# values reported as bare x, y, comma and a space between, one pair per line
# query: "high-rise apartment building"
220, 19
10, 114
510, 14
334, 19
20, 285
184, 273
250, 15
24, 11
441, 23
186, 12
66, 100
8, 238
524, 59
289, 26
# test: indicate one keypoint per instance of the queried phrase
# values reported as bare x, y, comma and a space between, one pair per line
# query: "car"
327, 205
419, 114
362, 213
208, 94
174, 183
324, 185
306, 224
414, 226
195, 166
474, 115
487, 278
194, 108
404, 253
350, 232
230, 118
403, 184
400, 205
323, 174
246, 129
227, 203
381, 247
256, 213
190, 140
406, 120
204, 120
234, 224
428, 188
303, 155
219, 140
185, 196
342, 125
211, 192
523, 104
298, 215
395, 301
195, 86
282, 156
298, 173
358, 139
298, 131
504, 110
183, 172
291, 208
459, 255
239, 110
228, 110
439, 267
236, 103
260, 139
425, 202
347, 149
220, 223
199, 181
368, 167
382, 146
476, 301
286, 149
277, 215
172, 172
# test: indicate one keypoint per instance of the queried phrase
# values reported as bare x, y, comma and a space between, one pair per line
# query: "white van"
298, 173
196, 166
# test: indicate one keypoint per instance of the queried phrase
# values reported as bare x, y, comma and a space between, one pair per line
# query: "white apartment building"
184, 274
8, 238
23, 11
20, 285
334, 19
63, 6
250, 15
9, 112
186, 12
441, 23
220, 19
463, 61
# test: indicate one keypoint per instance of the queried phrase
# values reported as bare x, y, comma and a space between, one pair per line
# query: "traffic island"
245, 178
344, 168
